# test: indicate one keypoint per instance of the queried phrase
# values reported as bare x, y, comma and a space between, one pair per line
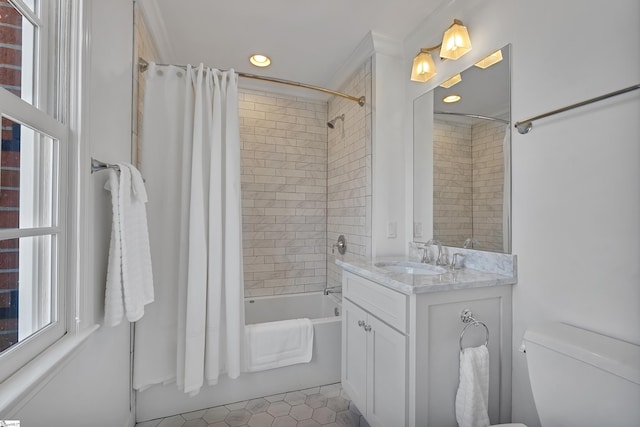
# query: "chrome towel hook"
467, 317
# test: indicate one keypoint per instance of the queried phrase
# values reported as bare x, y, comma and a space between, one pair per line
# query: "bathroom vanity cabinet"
401, 346
374, 353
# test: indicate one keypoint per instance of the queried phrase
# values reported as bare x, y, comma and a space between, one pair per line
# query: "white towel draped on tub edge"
472, 397
276, 344
129, 276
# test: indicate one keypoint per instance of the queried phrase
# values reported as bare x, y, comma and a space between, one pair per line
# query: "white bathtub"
324, 368
316, 306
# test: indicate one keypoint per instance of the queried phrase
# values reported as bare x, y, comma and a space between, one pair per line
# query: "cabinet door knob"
360, 322
367, 328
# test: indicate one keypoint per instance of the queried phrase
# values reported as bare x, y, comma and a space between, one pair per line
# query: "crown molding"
386, 45
370, 45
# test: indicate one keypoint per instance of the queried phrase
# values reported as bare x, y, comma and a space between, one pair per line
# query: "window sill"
16, 390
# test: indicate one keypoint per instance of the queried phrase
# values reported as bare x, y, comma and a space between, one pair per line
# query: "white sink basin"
407, 267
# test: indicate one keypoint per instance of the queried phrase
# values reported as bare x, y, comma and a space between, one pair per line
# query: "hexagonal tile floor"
326, 406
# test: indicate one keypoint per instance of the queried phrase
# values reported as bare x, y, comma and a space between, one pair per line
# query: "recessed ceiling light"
451, 98
260, 60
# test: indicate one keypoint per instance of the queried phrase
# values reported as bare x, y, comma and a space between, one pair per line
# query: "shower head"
332, 123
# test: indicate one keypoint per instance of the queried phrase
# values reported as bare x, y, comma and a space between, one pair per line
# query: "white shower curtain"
190, 157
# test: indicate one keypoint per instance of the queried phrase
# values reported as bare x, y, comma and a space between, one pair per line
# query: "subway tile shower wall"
488, 184
284, 193
469, 182
303, 186
349, 173
453, 181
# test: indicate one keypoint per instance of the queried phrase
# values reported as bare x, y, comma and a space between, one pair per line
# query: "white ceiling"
308, 40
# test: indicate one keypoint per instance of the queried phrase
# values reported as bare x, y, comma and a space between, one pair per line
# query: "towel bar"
525, 125
97, 165
467, 317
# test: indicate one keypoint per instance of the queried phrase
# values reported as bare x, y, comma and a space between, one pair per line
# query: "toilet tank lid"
618, 357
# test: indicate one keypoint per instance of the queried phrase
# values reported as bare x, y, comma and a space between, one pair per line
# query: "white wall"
388, 174
576, 176
93, 388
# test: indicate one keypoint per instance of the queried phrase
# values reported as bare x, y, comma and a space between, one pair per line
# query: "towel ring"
467, 317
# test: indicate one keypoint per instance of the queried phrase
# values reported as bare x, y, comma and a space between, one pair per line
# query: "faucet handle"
425, 255
341, 245
455, 263
442, 259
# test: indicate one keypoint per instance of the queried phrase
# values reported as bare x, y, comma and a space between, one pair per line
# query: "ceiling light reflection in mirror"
489, 60
450, 99
452, 81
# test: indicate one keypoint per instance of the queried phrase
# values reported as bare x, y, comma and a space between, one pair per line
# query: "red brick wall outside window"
10, 79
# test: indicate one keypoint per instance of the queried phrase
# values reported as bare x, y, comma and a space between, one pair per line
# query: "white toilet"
581, 378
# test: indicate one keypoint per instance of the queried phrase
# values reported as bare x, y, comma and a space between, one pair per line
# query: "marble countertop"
464, 278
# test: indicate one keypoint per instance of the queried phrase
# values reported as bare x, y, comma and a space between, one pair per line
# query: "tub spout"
328, 291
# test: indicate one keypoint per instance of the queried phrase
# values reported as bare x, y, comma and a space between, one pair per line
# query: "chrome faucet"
439, 260
425, 254
335, 290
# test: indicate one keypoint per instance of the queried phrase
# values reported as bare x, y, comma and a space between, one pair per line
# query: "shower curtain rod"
473, 116
143, 65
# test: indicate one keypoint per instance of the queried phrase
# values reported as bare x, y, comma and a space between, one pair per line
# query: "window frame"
49, 115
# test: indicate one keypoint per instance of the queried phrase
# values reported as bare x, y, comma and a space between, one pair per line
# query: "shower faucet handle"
341, 245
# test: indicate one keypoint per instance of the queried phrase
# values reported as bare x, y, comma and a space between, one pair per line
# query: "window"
33, 180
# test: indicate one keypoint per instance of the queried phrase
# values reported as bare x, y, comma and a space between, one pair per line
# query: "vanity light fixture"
490, 60
260, 60
455, 43
449, 99
453, 80
424, 68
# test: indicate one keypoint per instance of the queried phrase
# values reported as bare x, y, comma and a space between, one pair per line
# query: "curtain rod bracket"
142, 65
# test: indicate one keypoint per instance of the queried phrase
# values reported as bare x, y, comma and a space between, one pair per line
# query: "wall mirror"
462, 160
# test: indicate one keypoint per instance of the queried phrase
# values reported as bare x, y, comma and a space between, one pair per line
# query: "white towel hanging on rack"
129, 276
